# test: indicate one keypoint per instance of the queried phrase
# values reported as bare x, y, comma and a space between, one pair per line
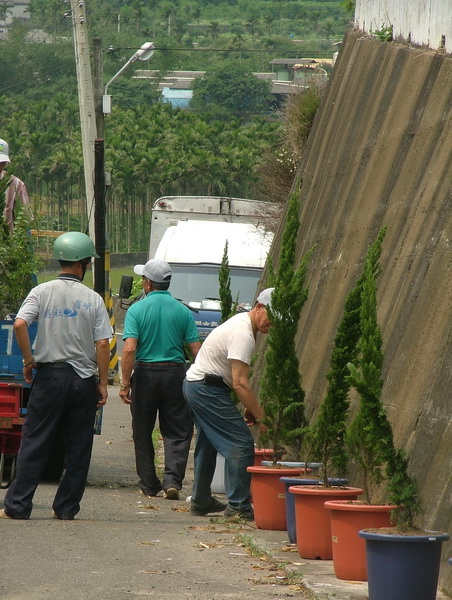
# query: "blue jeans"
220, 428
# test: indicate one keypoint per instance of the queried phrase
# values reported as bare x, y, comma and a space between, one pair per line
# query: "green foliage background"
151, 149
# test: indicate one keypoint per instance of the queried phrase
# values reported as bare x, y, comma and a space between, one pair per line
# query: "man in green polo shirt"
155, 331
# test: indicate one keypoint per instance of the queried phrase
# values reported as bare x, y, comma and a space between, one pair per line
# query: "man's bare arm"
244, 391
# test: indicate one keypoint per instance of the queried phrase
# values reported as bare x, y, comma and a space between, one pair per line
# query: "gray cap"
265, 297
4, 151
155, 270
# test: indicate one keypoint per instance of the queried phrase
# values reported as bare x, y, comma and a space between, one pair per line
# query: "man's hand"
102, 394
28, 372
250, 420
125, 395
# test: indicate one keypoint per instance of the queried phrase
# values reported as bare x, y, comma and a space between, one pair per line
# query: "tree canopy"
233, 89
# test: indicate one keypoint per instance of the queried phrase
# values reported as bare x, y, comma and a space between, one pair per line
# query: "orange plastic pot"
261, 454
313, 524
347, 518
269, 496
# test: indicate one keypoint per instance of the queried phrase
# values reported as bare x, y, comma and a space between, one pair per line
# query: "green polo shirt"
162, 325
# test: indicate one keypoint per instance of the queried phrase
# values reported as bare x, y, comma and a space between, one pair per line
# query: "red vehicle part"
11, 398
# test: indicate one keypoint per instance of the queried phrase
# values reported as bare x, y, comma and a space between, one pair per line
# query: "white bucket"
217, 485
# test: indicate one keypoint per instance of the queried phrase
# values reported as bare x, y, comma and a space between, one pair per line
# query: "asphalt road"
123, 545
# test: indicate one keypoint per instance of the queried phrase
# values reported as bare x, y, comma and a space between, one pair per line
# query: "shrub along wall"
380, 154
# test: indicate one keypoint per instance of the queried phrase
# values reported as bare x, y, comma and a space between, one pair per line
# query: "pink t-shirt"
15, 191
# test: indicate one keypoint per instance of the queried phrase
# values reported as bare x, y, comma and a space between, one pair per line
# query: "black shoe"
214, 506
244, 515
171, 494
151, 494
62, 517
5, 515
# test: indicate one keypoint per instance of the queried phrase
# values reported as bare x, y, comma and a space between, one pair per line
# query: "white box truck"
190, 233
169, 210
194, 249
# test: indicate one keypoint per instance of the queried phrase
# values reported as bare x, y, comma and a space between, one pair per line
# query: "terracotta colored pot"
313, 523
348, 517
261, 454
269, 497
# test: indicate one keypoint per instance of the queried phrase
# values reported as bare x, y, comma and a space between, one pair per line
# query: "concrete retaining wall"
422, 22
380, 153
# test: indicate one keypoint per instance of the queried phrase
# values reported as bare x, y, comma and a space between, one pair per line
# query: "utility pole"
101, 270
86, 104
102, 264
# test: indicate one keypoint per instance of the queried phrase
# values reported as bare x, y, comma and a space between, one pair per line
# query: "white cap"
4, 151
155, 270
265, 297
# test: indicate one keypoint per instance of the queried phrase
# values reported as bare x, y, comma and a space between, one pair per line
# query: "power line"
245, 50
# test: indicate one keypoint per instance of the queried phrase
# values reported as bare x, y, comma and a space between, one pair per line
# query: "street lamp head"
145, 52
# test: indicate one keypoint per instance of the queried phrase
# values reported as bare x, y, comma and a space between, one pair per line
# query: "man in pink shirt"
16, 189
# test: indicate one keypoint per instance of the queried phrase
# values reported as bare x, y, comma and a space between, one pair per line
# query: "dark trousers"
157, 390
58, 398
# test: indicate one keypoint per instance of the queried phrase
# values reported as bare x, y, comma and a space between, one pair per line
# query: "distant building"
289, 76
178, 98
10, 10
298, 70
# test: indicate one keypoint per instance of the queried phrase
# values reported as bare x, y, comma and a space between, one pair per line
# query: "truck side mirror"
125, 287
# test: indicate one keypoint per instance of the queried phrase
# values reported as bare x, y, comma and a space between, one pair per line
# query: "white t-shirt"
71, 319
232, 340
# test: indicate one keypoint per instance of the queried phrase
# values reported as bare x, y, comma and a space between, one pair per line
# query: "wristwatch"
27, 364
123, 387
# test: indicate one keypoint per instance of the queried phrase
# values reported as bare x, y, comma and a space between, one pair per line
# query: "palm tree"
214, 30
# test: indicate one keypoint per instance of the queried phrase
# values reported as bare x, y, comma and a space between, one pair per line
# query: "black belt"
216, 381
54, 365
159, 365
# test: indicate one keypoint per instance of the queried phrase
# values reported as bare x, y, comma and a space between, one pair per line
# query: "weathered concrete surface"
380, 153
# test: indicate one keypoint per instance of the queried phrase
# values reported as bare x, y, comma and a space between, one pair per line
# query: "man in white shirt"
223, 364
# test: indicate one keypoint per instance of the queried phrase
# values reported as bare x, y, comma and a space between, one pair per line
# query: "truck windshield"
194, 283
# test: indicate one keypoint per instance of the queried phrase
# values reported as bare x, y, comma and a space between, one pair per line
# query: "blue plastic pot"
290, 503
403, 567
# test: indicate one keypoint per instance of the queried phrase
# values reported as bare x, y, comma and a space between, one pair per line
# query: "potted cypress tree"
369, 438
371, 445
281, 393
313, 526
328, 432
403, 562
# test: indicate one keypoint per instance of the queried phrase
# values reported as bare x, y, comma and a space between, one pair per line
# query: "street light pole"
143, 53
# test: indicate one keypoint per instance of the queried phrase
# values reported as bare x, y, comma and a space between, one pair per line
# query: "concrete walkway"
123, 546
